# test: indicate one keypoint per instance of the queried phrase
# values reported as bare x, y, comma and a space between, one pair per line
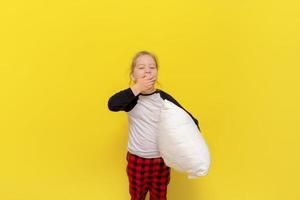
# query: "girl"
146, 169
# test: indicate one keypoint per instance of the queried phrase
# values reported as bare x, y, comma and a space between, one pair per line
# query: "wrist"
135, 89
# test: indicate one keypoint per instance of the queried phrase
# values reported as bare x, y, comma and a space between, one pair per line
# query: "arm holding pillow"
165, 95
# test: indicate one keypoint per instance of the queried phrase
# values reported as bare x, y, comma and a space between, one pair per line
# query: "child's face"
145, 64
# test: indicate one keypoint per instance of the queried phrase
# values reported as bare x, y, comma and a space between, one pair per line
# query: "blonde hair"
136, 56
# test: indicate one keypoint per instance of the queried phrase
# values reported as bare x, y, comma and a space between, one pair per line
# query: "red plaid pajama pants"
147, 174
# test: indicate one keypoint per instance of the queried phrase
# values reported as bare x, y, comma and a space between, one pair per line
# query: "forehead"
145, 59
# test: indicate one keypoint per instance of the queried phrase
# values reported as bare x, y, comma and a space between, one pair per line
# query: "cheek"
154, 73
138, 74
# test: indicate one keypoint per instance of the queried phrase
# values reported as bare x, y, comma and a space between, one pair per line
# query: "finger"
152, 78
146, 77
150, 82
149, 76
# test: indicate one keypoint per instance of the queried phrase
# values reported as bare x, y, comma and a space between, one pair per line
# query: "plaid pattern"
147, 174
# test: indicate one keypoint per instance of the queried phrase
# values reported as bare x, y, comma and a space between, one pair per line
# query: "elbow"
199, 129
111, 106
197, 122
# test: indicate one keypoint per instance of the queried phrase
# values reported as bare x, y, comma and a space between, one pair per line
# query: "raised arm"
123, 100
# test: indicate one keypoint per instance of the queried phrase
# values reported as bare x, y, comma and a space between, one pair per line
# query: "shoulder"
164, 95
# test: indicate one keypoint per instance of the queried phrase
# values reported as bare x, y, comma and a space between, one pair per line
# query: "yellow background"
233, 64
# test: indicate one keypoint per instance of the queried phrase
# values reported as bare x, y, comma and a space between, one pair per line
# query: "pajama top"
143, 116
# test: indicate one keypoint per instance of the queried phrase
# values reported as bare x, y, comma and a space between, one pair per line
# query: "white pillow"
180, 142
